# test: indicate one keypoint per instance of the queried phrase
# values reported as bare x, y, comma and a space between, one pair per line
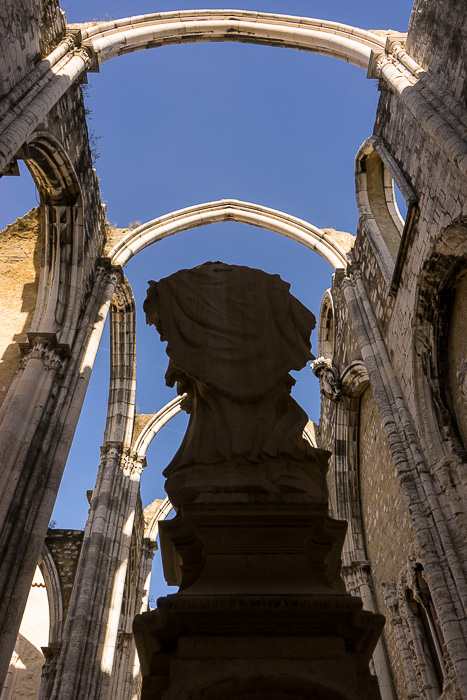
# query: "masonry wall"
65, 548
440, 188
386, 521
20, 257
28, 32
433, 43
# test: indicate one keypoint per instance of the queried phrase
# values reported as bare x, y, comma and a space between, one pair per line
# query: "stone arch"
51, 283
151, 530
62, 224
54, 594
298, 230
375, 174
119, 37
423, 635
326, 327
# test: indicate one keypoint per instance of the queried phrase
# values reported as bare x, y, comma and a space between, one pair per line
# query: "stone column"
41, 369
91, 631
44, 404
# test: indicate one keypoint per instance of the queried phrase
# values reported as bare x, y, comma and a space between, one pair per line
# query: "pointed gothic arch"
129, 34
321, 242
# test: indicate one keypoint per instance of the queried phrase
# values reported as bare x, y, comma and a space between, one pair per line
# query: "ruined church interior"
375, 482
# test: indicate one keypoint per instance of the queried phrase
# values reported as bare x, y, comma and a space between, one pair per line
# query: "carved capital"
378, 59
339, 276
112, 274
132, 463
357, 574
73, 37
353, 269
395, 44
111, 450
328, 375
150, 547
89, 57
46, 348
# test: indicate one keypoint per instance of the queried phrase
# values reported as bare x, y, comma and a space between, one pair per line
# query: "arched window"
377, 178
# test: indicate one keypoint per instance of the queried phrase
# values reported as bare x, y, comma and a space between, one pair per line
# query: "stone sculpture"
328, 376
233, 334
252, 547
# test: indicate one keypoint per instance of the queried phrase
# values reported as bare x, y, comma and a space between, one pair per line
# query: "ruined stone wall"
382, 302
65, 548
20, 243
29, 30
434, 45
20, 256
441, 191
362, 471
386, 522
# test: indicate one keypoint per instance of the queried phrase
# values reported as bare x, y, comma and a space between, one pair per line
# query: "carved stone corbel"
328, 375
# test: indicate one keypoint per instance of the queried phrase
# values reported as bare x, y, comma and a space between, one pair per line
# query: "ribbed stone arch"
298, 230
122, 36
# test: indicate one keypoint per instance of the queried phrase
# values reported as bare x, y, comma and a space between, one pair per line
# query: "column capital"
113, 273
46, 348
112, 449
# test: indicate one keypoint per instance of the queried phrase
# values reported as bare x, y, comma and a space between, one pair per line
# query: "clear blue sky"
182, 125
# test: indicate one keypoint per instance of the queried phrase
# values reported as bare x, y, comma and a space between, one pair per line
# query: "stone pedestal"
261, 611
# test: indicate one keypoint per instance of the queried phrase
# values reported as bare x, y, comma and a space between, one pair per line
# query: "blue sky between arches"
183, 125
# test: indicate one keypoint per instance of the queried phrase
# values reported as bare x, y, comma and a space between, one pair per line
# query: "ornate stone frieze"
328, 375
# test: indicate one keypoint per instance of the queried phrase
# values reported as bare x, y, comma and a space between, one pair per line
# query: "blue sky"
188, 124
